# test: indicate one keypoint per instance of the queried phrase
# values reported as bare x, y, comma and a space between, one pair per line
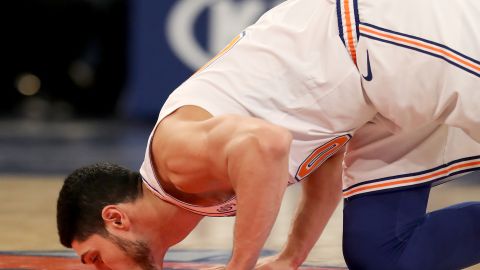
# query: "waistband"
348, 25
432, 176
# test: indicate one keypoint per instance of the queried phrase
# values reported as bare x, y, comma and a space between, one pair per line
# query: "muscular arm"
258, 169
246, 154
321, 195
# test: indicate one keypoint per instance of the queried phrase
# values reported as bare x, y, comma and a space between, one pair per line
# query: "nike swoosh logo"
369, 76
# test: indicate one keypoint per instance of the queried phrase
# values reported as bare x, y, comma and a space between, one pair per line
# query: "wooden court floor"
27, 218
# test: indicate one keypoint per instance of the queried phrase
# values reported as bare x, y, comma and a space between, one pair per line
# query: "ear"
115, 218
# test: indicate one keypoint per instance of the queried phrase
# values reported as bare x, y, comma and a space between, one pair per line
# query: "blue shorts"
391, 230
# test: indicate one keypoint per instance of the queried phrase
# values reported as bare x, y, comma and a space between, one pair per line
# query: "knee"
423, 261
375, 259
370, 252
362, 253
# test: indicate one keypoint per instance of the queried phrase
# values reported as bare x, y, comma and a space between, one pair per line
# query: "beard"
138, 251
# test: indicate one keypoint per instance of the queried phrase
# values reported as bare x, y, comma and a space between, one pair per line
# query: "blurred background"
84, 80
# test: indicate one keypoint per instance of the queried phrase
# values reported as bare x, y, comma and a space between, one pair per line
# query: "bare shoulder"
193, 128
177, 137
191, 147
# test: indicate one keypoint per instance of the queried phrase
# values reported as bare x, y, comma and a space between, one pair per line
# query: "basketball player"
399, 81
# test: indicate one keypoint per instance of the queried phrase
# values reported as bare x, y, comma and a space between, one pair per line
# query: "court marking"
65, 260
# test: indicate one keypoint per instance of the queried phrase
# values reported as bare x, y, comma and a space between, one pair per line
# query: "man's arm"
243, 154
320, 197
257, 163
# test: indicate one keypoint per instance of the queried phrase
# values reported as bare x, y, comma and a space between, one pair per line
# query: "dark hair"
85, 193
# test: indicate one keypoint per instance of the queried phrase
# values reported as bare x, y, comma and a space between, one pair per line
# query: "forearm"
320, 197
307, 227
261, 178
256, 215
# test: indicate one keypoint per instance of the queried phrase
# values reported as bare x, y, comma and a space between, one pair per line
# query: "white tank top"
278, 70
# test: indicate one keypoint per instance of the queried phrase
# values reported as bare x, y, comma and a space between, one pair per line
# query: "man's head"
89, 200
113, 221
84, 195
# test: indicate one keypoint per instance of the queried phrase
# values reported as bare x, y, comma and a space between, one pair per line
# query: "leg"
392, 231
447, 239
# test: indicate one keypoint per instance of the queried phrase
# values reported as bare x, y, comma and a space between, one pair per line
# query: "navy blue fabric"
392, 231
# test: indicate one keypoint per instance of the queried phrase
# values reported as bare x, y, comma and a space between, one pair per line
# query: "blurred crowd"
62, 59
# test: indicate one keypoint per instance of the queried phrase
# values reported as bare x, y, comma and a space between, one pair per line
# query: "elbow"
273, 140
283, 141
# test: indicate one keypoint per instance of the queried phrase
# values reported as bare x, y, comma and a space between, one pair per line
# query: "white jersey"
419, 61
297, 68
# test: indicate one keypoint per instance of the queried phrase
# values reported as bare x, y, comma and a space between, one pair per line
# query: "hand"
274, 263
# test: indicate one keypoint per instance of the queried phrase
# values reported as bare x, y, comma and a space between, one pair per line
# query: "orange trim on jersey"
419, 44
320, 155
348, 20
222, 52
410, 181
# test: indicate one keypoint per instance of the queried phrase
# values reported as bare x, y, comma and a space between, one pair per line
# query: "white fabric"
292, 69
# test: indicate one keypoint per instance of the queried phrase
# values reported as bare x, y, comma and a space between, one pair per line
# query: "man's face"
114, 253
